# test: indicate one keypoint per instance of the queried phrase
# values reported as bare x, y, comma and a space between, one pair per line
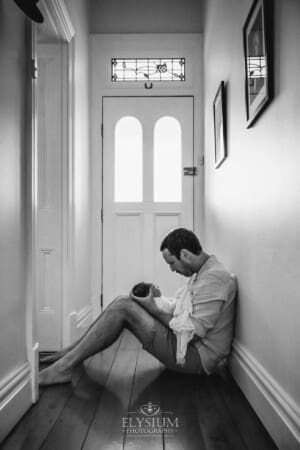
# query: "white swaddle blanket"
181, 324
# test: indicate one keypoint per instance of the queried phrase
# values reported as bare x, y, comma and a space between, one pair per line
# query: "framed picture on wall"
219, 111
257, 36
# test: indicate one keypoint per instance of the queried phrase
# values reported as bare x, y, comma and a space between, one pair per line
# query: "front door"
147, 143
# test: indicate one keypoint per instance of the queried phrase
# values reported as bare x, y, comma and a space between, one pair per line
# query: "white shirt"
211, 292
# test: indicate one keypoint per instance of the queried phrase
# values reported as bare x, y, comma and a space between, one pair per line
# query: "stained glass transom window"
147, 69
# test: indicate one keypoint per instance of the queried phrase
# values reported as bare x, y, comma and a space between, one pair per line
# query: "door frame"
57, 21
102, 165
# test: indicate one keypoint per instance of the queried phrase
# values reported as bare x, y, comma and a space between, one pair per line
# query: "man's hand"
148, 303
156, 291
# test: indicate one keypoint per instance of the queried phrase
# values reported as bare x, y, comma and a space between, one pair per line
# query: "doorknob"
190, 171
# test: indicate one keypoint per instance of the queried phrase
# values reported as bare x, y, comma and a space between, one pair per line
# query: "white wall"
142, 16
12, 193
15, 206
81, 202
252, 213
14, 368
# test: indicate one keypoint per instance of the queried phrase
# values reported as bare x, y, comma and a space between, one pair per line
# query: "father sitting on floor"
191, 333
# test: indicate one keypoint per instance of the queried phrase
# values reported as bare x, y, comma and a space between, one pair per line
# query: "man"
211, 291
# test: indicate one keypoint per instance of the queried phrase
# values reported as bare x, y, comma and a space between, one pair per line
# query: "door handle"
190, 171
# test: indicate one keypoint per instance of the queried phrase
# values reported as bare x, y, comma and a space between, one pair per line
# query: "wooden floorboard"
179, 398
246, 422
219, 431
211, 412
34, 427
73, 424
106, 428
146, 389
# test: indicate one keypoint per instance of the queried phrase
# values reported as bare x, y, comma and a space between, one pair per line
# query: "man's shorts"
162, 344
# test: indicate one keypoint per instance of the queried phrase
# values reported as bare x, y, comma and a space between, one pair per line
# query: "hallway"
68, 238
211, 412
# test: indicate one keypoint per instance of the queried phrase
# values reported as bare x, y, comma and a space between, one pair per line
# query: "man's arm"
148, 303
208, 301
205, 315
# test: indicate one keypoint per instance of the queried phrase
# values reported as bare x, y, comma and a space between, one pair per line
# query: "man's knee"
127, 307
121, 303
120, 299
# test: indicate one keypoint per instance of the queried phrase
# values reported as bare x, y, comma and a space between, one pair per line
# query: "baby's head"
143, 290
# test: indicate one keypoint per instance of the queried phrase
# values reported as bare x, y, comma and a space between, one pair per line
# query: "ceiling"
143, 16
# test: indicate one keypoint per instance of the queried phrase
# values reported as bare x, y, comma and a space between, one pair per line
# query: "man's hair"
179, 239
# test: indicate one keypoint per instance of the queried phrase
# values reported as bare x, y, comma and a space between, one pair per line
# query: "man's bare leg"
58, 355
122, 313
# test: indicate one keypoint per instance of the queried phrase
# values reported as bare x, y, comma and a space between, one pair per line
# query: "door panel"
49, 207
133, 230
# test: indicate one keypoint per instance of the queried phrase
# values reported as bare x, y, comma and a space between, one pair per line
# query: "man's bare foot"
53, 358
55, 374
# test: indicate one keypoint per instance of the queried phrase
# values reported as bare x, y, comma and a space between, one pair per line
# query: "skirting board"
80, 321
276, 409
15, 398
35, 372
96, 305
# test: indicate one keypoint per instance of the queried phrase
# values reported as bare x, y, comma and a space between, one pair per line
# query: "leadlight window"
147, 69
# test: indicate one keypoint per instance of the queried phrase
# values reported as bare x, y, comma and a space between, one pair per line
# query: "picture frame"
219, 112
258, 57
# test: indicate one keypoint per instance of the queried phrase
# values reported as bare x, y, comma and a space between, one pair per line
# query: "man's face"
177, 265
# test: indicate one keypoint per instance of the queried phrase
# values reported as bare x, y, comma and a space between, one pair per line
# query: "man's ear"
185, 255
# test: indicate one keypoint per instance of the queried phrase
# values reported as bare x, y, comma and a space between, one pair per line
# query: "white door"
147, 142
49, 201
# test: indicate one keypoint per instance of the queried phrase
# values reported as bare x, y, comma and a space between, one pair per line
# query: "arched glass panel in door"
128, 160
167, 167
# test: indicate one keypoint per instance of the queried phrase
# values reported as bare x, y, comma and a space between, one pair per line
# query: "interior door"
147, 143
49, 206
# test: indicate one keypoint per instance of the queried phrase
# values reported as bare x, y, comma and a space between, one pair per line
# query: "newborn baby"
142, 290
180, 323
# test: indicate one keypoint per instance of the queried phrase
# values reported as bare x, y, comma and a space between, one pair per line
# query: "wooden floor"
114, 390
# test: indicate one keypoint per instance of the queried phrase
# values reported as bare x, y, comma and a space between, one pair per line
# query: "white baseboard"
15, 398
80, 321
96, 305
85, 317
276, 409
35, 372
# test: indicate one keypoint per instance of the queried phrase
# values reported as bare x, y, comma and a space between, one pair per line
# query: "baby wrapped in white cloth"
180, 307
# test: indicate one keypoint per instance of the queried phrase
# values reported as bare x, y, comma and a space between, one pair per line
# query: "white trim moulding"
14, 381
79, 322
85, 314
57, 14
15, 397
282, 405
